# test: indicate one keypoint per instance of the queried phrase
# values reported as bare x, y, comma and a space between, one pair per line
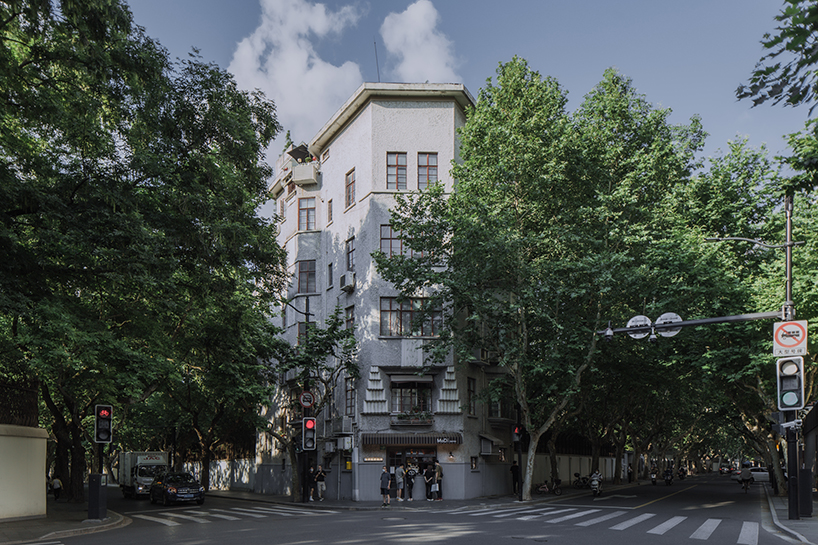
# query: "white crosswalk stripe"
667, 525
749, 534
550, 512
244, 512
216, 515
166, 522
706, 529
602, 518
631, 522
199, 520
572, 516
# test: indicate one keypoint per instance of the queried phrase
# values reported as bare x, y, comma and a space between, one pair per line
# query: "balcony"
305, 173
411, 419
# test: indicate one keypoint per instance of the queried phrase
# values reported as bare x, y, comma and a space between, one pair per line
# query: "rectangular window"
306, 276
391, 243
329, 276
349, 317
306, 214
427, 169
409, 397
350, 254
349, 189
325, 156
283, 209
329, 211
349, 402
302, 330
472, 395
396, 171
399, 319
290, 188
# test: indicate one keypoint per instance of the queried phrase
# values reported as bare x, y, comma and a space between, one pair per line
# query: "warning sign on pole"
790, 338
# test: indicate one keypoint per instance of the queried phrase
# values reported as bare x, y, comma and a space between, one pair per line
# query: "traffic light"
103, 415
516, 433
790, 376
308, 433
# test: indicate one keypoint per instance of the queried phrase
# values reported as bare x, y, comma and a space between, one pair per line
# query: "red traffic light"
104, 413
309, 423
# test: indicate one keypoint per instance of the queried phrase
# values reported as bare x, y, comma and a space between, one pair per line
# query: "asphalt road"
695, 511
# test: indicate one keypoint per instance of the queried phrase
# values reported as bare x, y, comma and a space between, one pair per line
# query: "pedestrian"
428, 478
410, 481
400, 473
56, 487
311, 482
320, 483
630, 474
386, 484
439, 480
515, 477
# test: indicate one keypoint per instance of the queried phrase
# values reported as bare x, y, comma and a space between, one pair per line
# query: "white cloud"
279, 58
423, 52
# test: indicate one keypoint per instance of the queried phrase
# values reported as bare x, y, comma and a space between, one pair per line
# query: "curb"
778, 523
119, 521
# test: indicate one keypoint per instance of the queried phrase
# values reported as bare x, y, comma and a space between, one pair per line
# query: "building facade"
334, 198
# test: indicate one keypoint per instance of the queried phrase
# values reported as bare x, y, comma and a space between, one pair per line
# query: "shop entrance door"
414, 459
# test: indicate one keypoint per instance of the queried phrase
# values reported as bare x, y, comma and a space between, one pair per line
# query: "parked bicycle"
553, 489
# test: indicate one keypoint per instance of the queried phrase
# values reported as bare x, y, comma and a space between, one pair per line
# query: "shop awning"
414, 439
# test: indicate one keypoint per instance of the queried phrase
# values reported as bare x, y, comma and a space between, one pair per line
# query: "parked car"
726, 470
176, 486
759, 474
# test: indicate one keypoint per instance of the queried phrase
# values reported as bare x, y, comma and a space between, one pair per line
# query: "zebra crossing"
198, 515
620, 520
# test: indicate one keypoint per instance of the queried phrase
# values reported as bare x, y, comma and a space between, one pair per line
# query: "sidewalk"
69, 519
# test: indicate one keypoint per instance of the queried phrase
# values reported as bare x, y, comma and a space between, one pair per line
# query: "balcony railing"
412, 419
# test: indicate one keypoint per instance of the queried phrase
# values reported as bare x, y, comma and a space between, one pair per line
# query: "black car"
178, 486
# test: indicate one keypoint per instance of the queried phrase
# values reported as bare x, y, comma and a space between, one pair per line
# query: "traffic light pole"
792, 468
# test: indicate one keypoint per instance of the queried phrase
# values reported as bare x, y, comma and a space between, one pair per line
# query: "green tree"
323, 359
552, 221
128, 190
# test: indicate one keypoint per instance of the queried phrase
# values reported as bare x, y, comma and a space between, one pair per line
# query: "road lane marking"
506, 512
603, 518
200, 520
549, 512
572, 516
218, 516
706, 529
245, 512
749, 534
665, 526
665, 497
166, 522
630, 522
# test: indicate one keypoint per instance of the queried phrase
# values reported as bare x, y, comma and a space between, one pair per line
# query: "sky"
309, 57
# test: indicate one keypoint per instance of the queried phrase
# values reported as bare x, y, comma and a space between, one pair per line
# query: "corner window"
472, 395
396, 171
349, 402
306, 214
306, 276
329, 276
329, 211
427, 169
410, 397
349, 317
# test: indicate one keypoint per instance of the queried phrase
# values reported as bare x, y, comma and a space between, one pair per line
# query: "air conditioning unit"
344, 443
329, 447
348, 282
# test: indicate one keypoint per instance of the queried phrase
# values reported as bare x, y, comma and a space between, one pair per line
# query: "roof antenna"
375, 43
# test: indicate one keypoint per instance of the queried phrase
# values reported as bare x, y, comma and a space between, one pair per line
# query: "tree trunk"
552, 454
528, 476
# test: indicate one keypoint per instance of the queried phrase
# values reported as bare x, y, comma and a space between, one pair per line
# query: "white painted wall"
22, 472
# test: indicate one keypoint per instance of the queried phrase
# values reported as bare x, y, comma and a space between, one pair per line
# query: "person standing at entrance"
410, 482
320, 484
399, 479
515, 477
439, 480
386, 483
429, 477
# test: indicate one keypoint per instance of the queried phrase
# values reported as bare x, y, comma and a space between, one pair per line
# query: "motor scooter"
653, 477
681, 474
596, 485
580, 481
669, 478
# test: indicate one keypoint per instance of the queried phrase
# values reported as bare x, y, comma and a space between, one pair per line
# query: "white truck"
137, 470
